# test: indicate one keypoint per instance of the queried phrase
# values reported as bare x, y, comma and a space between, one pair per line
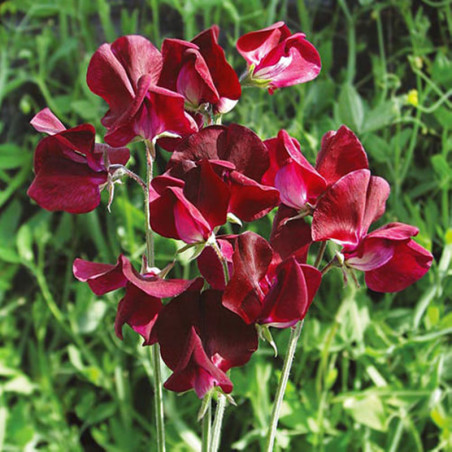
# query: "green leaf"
13, 156
368, 410
381, 116
20, 384
24, 242
350, 109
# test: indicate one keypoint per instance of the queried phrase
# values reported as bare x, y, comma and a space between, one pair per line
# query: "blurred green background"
373, 372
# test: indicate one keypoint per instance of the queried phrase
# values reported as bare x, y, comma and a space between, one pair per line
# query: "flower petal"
45, 121
139, 311
410, 262
341, 153
345, 212
101, 278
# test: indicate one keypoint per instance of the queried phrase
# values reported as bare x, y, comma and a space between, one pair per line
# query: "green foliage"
373, 372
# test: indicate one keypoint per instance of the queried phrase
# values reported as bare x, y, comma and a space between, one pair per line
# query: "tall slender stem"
292, 346
221, 401
217, 423
150, 155
206, 428
147, 263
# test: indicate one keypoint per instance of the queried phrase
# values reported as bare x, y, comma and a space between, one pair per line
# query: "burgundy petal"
115, 69
410, 262
173, 216
290, 236
293, 61
207, 191
251, 259
210, 266
345, 212
64, 179
341, 153
250, 200
229, 341
223, 75
101, 278
139, 311
254, 46
288, 300
197, 372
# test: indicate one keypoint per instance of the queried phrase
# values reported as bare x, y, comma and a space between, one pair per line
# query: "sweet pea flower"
198, 70
200, 340
141, 304
125, 74
70, 168
210, 174
277, 59
189, 210
299, 183
389, 257
265, 289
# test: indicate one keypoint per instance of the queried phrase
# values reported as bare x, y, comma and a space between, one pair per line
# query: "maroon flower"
211, 267
239, 158
389, 257
277, 59
189, 210
265, 290
290, 236
142, 301
69, 167
299, 183
212, 173
125, 74
346, 211
200, 341
198, 70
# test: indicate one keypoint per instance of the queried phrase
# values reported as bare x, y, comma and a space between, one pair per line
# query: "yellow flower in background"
413, 98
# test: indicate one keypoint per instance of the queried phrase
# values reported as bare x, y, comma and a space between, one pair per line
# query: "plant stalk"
217, 423
288, 360
148, 262
206, 428
221, 401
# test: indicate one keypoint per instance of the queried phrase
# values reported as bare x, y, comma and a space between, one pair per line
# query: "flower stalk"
288, 360
148, 262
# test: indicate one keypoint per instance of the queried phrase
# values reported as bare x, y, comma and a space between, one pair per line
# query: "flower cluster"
219, 173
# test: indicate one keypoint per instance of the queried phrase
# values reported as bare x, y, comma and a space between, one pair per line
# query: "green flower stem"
150, 156
217, 423
221, 401
149, 262
206, 427
288, 360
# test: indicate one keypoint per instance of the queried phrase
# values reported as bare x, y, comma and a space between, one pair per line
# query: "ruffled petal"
340, 154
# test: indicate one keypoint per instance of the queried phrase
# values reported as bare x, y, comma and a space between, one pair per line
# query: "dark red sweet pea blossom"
290, 236
70, 168
277, 59
346, 211
200, 341
240, 159
211, 267
125, 74
211, 173
199, 71
389, 257
142, 301
265, 290
299, 183
189, 210
297, 180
